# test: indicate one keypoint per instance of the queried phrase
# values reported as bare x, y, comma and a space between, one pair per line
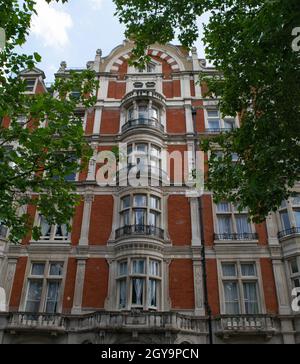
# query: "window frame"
222, 120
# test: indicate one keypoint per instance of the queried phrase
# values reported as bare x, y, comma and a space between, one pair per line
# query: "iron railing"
151, 123
147, 230
288, 232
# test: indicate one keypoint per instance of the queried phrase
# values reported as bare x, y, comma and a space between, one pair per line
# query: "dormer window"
30, 84
150, 68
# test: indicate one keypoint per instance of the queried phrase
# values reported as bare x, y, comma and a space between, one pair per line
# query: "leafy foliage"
36, 158
250, 44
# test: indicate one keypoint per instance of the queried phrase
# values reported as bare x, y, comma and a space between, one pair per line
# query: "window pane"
155, 152
296, 282
152, 293
231, 298
229, 270
154, 113
142, 148
229, 123
250, 297
52, 297
248, 270
242, 224
140, 201
224, 224
214, 124
155, 203
126, 202
223, 207
56, 269
125, 217
143, 112
123, 269
122, 293
45, 227
140, 217
131, 114
61, 231
38, 269
138, 267
285, 221
154, 268
294, 266
34, 296
137, 291
154, 219
297, 218
213, 113
296, 200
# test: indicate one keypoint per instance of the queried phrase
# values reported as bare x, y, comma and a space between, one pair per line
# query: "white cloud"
51, 25
96, 4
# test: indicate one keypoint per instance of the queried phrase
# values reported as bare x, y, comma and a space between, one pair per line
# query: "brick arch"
155, 53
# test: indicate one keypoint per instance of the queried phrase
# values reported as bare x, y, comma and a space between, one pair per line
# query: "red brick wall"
95, 284
172, 89
18, 284
269, 285
31, 211
40, 88
77, 222
208, 220
261, 230
90, 123
181, 282
213, 286
110, 123
200, 121
193, 91
70, 285
176, 123
179, 220
101, 220
116, 90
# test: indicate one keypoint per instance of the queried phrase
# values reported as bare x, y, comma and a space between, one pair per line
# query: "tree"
36, 158
250, 44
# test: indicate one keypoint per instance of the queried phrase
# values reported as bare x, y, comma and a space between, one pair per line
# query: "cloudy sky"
73, 32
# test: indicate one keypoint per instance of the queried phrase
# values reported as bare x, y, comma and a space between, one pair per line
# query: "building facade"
152, 263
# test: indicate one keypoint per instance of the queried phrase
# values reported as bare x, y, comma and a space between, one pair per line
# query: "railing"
164, 321
142, 94
140, 230
36, 320
242, 236
288, 232
246, 324
152, 123
218, 130
142, 171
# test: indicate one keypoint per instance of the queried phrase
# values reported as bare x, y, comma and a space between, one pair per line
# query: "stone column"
116, 217
79, 285
198, 286
165, 299
9, 279
189, 118
97, 121
195, 222
186, 87
85, 226
92, 163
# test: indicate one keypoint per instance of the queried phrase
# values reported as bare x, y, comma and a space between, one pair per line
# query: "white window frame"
290, 207
221, 119
52, 238
45, 278
240, 280
146, 276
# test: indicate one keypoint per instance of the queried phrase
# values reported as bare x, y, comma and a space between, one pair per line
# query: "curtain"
224, 223
45, 227
250, 297
152, 293
154, 268
297, 218
137, 291
229, 270
231, 298
52, 297
223, 207
248, 270
138, 266
242, 224
123, 292
34, 296
285, 221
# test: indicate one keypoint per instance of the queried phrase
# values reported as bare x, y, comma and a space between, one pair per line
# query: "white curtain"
242, 224
224, 223
154, 268
229, 270
223, 207
138, 266
34, 296
152, 293
138, 285
250, 297
45, 227
52, 297
231, 298
123, 292
248, 270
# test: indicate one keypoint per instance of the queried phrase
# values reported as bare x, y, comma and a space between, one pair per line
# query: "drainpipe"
203, 253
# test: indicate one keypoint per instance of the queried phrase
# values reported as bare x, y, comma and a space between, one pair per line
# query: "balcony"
237, 237
289, 232
143, 123
120, 321
140, 230
143, 94
148, 175
260, 325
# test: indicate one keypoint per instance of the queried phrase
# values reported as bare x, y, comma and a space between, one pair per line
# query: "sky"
73, 32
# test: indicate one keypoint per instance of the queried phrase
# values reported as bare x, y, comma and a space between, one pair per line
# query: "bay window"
139, 283
240, 288
289, 216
